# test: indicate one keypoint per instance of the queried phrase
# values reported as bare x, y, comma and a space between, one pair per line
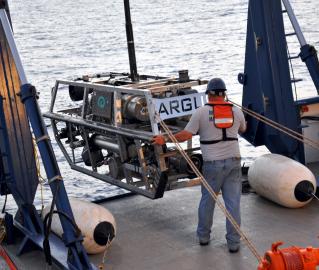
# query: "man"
218, 124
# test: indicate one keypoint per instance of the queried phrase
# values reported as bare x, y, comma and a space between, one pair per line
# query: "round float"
96, 223
282, 180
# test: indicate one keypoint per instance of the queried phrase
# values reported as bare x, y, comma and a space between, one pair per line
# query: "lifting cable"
214, 195
292, 133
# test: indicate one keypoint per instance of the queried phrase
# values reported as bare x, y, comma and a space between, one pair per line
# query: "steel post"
294, 23
79, 258
130, 41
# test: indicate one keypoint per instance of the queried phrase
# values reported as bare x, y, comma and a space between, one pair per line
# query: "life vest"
223, 117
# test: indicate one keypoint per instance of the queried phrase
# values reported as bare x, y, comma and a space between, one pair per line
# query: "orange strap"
7, 259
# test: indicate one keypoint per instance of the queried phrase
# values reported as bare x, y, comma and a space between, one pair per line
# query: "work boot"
233, 249
203, 243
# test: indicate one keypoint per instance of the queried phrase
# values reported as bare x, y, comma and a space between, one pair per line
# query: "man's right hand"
159, 140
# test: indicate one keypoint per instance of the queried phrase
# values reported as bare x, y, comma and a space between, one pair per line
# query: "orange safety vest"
223, 118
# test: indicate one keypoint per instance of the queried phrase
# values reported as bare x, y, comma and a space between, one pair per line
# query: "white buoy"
96, 223
282, 180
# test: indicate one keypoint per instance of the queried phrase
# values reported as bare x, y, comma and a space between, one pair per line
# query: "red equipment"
7, 259
291, 258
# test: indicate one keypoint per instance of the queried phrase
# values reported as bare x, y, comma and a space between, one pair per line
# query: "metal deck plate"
160, 234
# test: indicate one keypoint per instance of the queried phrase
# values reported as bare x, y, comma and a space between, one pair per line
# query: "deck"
160, 234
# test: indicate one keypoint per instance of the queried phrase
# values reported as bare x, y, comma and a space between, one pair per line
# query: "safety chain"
250, 245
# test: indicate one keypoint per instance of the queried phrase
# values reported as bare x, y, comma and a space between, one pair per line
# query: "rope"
315, 196
250, 245
292, 133
279, 127
2, 230
37, 160
4, 204
40, 177
102, 264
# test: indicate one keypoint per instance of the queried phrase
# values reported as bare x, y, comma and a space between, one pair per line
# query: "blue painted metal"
307, 101
19, 175
308, 54
5, 164
77, 257
267, 84
4, 5
58, 249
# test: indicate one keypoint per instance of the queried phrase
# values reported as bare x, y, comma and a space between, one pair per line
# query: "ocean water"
60, 39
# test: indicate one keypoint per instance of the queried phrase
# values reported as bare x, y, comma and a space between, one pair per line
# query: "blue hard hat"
215, 86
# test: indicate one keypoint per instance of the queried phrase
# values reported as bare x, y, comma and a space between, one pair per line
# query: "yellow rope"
40, 177
102, 264
250, 245
2, 230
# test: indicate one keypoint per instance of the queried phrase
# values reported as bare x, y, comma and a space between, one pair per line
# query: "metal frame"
294, 22
308, 53
118, 90
116, 129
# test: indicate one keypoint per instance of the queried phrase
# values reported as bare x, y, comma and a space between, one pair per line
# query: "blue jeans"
221, 175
